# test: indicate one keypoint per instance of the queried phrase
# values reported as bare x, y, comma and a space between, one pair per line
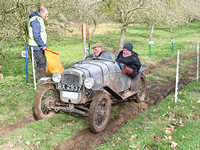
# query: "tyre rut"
20, 124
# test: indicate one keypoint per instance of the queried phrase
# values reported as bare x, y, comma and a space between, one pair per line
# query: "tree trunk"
180, 25
122, 36
94, 29
151, 31
171, 28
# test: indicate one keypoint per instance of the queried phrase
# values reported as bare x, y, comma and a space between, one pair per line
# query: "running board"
128, 94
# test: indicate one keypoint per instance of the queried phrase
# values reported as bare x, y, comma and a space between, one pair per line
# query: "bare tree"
123, 11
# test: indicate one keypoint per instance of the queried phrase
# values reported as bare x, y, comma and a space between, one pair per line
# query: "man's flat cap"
97, 45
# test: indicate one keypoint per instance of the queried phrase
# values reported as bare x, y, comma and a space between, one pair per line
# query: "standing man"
129, 60
38, 39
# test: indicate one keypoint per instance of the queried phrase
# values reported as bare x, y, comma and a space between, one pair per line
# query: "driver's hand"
126, 70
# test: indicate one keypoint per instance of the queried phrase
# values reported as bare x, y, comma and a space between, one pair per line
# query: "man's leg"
45, 64
41, 63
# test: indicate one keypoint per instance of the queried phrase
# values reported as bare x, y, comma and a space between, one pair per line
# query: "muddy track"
20, 124
85, 140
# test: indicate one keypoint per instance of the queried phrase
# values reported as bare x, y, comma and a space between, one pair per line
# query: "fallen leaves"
132, 146
146, 128
168, 137
184, 137
179, 123
33, 146
133, 137
19, 137
37, 144
156, 139
28, 143
169, 129
173, 144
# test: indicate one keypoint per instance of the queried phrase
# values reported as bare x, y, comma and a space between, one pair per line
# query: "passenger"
129, 60
101, 53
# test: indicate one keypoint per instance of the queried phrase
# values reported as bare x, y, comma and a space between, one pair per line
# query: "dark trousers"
39, 56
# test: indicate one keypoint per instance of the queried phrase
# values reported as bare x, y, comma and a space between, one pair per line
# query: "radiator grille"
71, 79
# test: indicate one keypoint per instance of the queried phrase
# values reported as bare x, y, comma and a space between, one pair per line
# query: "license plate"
70, 95
69, 87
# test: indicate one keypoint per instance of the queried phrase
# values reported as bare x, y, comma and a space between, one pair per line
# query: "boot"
40, 73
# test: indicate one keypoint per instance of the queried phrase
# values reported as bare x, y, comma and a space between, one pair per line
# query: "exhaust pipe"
72, 110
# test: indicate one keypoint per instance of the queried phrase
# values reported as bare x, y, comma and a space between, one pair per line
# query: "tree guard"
177, 69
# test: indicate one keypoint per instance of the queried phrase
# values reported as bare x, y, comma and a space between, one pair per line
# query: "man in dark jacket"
129, 60
38, 39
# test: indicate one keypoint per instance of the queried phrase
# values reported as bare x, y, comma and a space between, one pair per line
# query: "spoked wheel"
99, 112
140, 96
45, 100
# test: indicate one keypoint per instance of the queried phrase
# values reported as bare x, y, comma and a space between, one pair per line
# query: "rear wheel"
141, 94
45, 101
99, 112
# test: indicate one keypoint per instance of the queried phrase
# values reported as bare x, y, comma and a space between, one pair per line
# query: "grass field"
147, 130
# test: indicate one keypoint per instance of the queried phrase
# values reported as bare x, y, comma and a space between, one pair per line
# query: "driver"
129, 60
101, 53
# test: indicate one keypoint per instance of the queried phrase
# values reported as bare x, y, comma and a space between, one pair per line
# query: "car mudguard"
45, 80
99, 86
135, 81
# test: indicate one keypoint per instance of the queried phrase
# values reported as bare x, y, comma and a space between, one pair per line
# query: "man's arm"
107, 55
36, 33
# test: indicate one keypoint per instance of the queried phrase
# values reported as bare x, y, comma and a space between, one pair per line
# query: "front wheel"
141, 94
45, 100
99, 112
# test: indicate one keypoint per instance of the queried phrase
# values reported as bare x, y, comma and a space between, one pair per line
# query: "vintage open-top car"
88, 87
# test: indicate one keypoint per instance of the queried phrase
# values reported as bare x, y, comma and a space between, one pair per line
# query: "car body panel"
106, 74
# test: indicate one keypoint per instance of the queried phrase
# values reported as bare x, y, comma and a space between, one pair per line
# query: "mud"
20, 124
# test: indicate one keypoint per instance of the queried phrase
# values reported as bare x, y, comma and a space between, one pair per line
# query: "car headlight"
89, 82
56, 77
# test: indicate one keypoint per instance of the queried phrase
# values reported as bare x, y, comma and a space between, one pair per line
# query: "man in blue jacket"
38, 39
129, 60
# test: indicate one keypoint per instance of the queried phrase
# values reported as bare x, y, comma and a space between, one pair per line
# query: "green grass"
16, 100
148, 130
17, 97
44, 134
168, 73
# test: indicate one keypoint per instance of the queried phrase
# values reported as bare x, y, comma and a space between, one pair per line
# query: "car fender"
45, 80
99, 86
135, 81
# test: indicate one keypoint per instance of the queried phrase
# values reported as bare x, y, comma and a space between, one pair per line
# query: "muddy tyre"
140, 96
45, 100
99, 112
